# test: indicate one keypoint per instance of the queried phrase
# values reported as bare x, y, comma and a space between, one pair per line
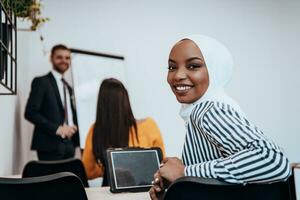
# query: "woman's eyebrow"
188, 60
170, 60
194, 58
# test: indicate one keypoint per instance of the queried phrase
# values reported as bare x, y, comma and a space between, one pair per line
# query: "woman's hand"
172, 169
158, 186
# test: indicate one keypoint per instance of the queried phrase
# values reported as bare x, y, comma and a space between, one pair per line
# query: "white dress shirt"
60, 86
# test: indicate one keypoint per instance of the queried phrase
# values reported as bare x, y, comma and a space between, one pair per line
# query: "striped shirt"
221, 143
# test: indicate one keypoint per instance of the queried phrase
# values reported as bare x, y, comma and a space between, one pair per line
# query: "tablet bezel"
111, 174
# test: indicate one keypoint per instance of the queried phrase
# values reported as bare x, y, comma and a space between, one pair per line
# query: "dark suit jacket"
45, 110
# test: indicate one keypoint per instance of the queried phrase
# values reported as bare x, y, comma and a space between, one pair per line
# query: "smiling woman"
220, 142
188, 76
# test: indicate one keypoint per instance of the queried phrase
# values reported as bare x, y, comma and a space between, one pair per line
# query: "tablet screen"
133, 169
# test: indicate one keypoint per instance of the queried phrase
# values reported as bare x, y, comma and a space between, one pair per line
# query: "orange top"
148, 135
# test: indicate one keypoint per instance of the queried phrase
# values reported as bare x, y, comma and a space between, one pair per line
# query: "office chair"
41, 168
60, 186
189, 188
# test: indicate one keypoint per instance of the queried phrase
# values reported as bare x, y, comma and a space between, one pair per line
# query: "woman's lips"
182, 89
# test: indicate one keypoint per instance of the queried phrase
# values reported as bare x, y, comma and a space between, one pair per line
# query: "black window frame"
8, 49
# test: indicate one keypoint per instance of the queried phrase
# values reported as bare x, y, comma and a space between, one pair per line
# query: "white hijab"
219, 64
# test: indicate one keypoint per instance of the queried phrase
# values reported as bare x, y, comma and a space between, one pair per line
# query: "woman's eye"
194, 66
170, 68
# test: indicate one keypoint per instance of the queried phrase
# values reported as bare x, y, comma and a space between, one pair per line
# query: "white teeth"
182, 88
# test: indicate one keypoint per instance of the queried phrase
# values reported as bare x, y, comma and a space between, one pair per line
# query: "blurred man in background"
51, 109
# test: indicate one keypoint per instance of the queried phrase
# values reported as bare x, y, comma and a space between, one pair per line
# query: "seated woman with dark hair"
116, 127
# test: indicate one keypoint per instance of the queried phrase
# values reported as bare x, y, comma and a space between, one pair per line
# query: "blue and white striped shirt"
220, 143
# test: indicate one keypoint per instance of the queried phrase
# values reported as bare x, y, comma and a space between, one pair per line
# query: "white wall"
7, 124
262, 36
15, 132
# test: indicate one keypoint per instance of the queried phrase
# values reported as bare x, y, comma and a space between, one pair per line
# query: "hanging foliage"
28, 10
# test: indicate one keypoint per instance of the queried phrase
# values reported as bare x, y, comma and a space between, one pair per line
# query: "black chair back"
41, 168
60, 186
189, 188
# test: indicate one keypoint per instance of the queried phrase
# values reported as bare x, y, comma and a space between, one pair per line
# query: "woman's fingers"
157, 188
158, 181
152, 194
172, 170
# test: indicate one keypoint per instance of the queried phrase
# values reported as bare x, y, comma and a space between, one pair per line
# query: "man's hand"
66, 131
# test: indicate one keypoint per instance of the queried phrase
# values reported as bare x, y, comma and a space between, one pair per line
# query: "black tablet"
132, 169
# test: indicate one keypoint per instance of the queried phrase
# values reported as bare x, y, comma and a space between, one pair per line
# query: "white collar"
58, 76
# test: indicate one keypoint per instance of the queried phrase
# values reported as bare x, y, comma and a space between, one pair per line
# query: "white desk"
97, 193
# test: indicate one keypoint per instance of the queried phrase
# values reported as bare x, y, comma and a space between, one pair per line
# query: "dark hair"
59, 47
114, 118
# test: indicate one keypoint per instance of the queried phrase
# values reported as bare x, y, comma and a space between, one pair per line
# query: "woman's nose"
180, 74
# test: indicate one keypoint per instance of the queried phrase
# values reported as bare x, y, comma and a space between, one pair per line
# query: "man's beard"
59, 69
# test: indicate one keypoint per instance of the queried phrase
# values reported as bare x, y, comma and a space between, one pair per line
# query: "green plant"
27, 9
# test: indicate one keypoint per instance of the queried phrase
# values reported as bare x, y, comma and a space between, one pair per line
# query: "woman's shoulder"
221, 111
214, 106
146, 123
91, 130
222, 108
147, 128
201, 109
146, 120
213, 109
